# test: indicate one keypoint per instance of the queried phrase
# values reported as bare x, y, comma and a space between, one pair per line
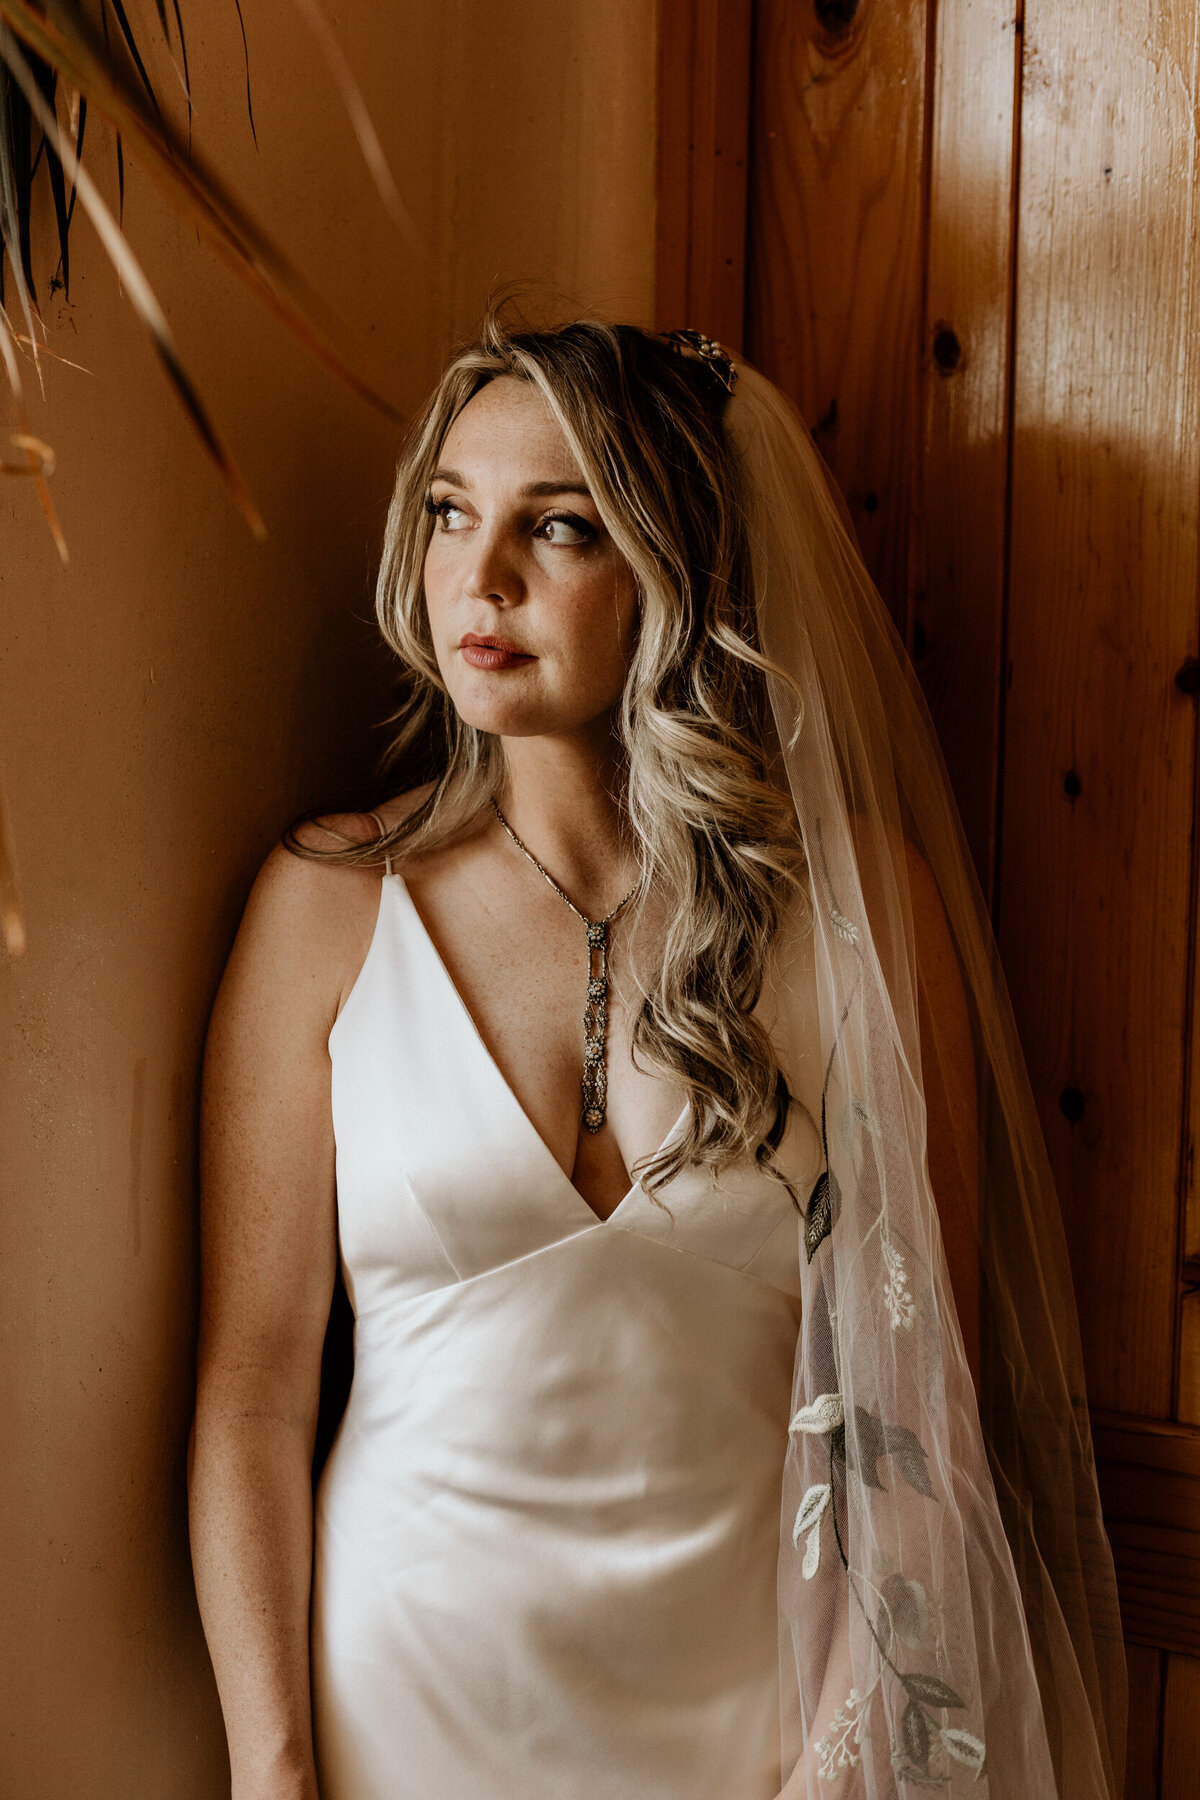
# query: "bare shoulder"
394, 811
305, 877
306, 926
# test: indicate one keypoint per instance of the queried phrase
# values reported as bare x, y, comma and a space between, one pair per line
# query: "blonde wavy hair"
714, 834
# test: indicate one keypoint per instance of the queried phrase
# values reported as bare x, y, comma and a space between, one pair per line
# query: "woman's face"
532, 609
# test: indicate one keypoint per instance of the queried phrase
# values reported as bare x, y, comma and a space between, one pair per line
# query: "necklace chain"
595, 1012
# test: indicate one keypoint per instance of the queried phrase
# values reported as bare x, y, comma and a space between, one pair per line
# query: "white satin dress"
547, 1534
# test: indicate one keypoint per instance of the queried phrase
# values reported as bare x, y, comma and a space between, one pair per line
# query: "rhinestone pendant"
595, 1028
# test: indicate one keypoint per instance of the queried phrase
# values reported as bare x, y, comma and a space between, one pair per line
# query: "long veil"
948, 1608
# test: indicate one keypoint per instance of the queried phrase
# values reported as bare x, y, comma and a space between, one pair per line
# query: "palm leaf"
135, 54
360, 119
185, 75
38, 460
47, 81
194, 190
10, 205
12, 924
120, 146
246, 66
136, 286
43, 42
65, 230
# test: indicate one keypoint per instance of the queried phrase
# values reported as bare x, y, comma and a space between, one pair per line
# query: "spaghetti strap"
387, 861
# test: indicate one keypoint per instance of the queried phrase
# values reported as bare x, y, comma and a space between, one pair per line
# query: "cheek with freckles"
579, 633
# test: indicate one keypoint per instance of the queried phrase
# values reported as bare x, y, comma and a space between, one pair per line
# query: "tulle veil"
947, 1602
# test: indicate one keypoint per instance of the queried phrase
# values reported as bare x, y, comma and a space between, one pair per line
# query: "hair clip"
718, 361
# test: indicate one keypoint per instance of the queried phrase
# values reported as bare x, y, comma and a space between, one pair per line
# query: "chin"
514, 721
517, 715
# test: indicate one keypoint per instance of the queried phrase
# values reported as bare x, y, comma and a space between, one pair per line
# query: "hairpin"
718, 361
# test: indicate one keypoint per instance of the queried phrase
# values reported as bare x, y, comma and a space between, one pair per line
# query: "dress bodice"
547, 1533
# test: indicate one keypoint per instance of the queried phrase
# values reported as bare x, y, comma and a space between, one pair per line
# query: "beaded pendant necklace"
595, 1010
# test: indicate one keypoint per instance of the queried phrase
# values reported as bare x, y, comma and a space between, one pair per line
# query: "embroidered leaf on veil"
839, 1748
914, 1733
903, 1612
903, 1605
820, 1415
845, 928
930, 1689
822, 1212
897, 1295
812, 1553
910, 1460
873, 1439
808, 1519
963, 1747
811, 1508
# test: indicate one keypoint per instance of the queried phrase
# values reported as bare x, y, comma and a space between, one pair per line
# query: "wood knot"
947, 351
835, 17
1070, 1103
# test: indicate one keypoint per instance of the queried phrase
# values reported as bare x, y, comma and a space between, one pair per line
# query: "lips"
490, 643
491, 652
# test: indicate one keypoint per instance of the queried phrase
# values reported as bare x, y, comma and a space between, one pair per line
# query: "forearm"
250, 1505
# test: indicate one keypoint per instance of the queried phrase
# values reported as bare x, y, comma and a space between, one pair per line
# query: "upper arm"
268, 1214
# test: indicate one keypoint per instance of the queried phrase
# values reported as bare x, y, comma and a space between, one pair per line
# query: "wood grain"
1149, 1474
1146, 1676
836, 249
959, 553
1099, 742
975, 272
1187, 1407
703, 152
1187, 677
1181, 1729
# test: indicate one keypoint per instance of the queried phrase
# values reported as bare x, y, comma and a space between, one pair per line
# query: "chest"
521, 962
442, 1177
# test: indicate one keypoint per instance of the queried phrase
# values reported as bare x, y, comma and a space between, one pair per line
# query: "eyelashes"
585, 533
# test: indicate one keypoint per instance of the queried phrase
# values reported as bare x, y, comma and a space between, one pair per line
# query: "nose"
492, 573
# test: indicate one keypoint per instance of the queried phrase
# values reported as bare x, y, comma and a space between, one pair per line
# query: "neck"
561, 795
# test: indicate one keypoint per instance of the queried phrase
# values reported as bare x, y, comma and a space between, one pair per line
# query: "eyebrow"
533, 490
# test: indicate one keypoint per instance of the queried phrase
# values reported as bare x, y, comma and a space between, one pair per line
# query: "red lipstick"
491, 652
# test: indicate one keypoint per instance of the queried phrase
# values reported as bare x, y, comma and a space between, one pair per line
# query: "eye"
450, 517
567, 528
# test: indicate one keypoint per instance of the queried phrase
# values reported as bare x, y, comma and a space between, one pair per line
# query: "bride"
650, 1073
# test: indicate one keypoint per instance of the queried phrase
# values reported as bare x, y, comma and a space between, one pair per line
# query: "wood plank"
1188, 1403
1181, 1729
1188, 678
1146, 1674
1149, 1475
836, 248
1099, 741
958, 562
703, 153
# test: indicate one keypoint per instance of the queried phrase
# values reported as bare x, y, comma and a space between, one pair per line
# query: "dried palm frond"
38, 459
57, 37
12, 925
134, 282
52, 47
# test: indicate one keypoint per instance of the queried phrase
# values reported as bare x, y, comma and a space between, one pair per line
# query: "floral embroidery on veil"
903, 1613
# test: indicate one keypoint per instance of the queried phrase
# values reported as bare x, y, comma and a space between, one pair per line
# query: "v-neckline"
502, 1081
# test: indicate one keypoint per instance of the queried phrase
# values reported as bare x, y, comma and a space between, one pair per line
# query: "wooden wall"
968, 242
